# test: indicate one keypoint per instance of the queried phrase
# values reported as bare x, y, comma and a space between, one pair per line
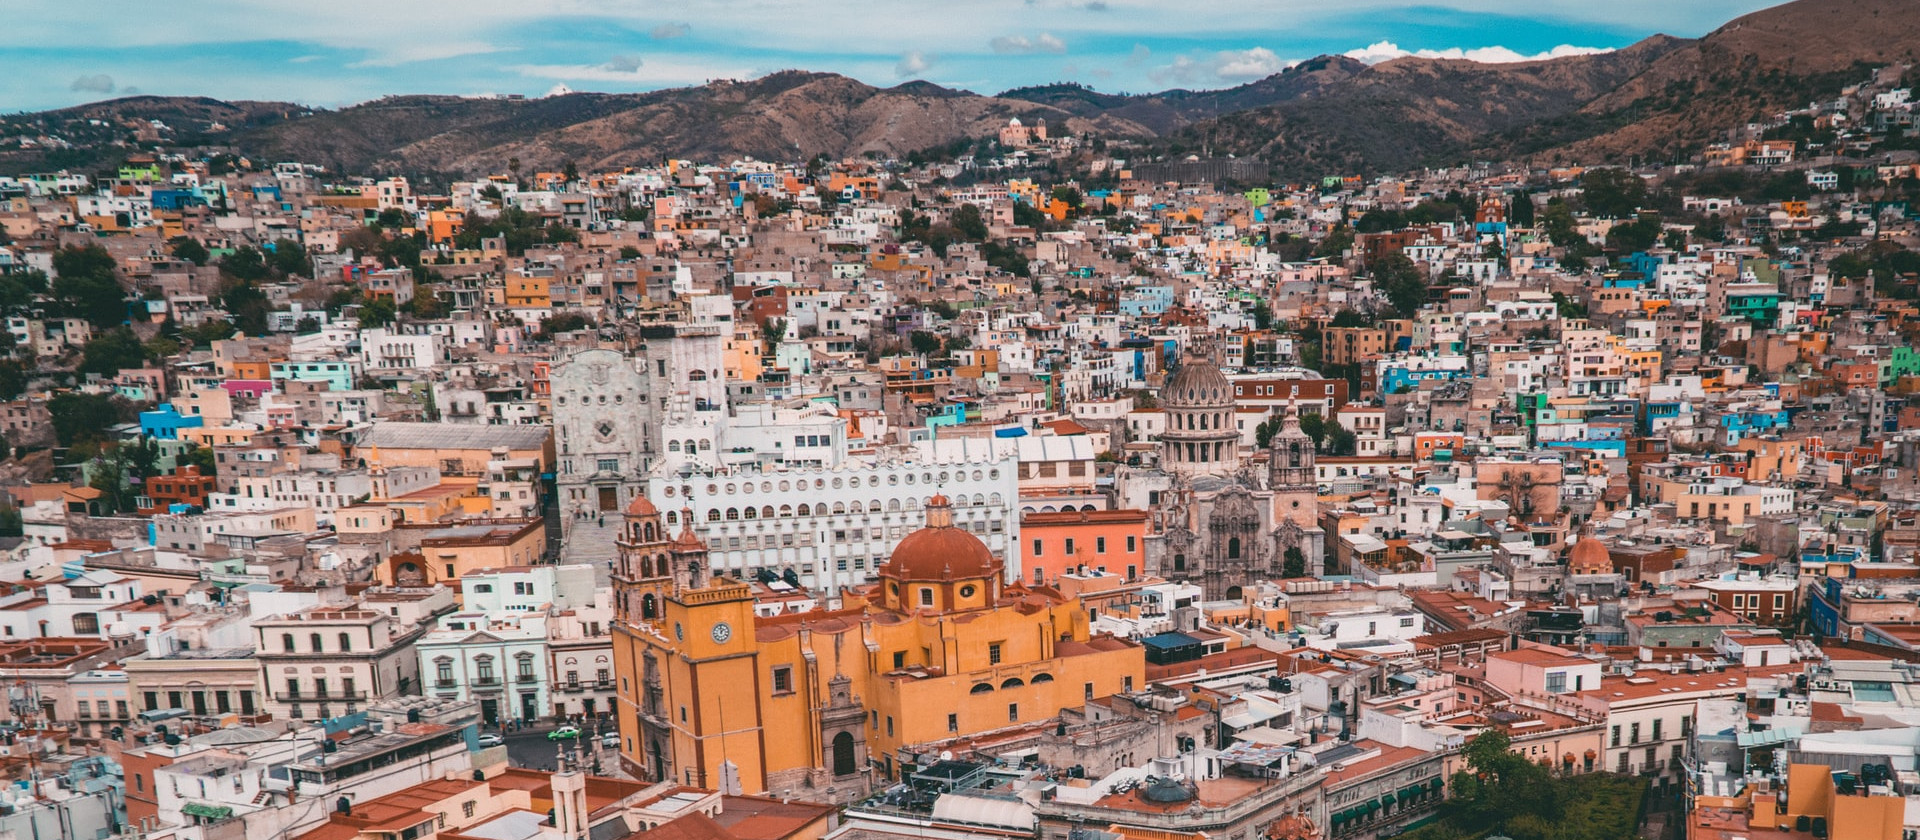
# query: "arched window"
733, 514
857, 507
673, 446
648, 530
806, 509
843, 755
647, 606
1233, 548
314, 640
750, 513
786, 510
839, 508
672, 518
713, 514
1041, 678
766, 512
981, 688
346, 643
286, 642
1012, 682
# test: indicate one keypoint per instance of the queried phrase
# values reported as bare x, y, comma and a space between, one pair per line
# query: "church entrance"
609, 499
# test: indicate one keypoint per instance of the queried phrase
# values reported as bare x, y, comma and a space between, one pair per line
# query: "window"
1556, 682
783, 679
926, 596
1406, 622
1099, 545
1126, 683
1616, 736
346, 643
953, 722
1656, 730
899, 659
1087, 691
1634, 734
1013, 712
467, 808
443, 671
1036, 548
993, 653
286, 642
1069, 546
1131, 545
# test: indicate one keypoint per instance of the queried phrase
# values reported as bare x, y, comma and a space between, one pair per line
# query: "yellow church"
819, 703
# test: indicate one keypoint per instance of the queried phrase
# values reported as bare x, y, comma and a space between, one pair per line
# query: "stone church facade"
1218, 522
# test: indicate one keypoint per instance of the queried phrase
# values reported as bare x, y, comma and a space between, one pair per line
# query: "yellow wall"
943, 657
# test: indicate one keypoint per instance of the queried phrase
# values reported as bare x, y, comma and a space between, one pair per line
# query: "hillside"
1662, 96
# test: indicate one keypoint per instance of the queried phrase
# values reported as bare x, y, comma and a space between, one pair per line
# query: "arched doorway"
1233, 593
843, 755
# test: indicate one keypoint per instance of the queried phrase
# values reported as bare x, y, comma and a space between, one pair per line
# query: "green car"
564, 733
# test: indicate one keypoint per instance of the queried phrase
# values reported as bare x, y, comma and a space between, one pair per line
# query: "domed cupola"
940, 567
1202, 436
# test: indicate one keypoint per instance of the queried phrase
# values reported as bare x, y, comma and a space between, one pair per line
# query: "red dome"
1589, 553
940, 554
641, 507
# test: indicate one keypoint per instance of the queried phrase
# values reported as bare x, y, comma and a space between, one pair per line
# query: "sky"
333, 53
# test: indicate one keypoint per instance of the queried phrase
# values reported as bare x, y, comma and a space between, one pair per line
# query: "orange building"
1097, 540
826, 700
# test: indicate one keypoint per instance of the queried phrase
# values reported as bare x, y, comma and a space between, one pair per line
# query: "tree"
1338, 241
562, 323
82, 417
1610, 192
1263, 433
393, 219
245, 265
1520, 213
1339, 440
1069, 196
199, 456
107, 476
569, 172
111, 352
773, 332
1314, 426
1295, 563
190, 249
12, 524
1350, 318
924, 343
968, 222
290, 258
1262, 315
87, 286
1404, 284
13, 380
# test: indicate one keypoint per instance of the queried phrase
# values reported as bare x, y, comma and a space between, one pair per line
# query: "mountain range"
1656, 99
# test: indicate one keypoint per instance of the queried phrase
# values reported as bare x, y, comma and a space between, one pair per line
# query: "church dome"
940, 551
640, 506
1197, 383
1589, 553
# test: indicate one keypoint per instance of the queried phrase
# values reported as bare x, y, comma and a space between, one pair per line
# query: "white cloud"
669, 31
427, 49
1045, 42
1139, 56
624, 64
97, 83
1245, 65
661, 70
1225, 66
913, 64
1387, 51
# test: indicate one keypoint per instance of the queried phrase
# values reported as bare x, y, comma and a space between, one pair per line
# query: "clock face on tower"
722, 632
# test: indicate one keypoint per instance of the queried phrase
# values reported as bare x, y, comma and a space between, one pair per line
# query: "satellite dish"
946, 755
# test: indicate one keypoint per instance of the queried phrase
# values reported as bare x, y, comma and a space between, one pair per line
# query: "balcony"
486, 681
319, 696
445, 683
526, 678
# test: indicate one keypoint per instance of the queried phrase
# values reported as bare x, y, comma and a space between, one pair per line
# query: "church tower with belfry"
1292, 480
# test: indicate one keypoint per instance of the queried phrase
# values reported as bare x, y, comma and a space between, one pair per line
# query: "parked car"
611, 740
564, 733
492, 739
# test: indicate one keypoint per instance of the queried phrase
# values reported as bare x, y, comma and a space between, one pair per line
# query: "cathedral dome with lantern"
940, 567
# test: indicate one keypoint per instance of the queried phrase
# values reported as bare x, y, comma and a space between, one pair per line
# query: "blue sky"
339, 52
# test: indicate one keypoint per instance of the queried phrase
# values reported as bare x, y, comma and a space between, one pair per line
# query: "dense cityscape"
1039, 485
